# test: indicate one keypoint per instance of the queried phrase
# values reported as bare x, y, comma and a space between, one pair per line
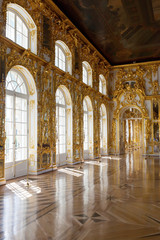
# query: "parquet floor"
117, 198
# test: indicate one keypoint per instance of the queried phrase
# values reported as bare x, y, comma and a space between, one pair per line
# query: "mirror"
46, 160
155, 110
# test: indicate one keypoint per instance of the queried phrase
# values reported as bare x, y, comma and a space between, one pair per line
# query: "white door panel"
16, 126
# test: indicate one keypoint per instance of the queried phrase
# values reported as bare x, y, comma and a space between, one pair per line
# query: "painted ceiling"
123, 31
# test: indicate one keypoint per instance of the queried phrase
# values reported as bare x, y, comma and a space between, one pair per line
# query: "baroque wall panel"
132, 86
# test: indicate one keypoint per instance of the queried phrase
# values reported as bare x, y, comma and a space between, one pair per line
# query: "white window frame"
101, 128
63, 106
88, 69
15, 28
102, 84
58, 59
68, 56
23, 96
27, 20
87, 114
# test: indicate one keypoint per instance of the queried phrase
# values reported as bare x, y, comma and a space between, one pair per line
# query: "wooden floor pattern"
114, 198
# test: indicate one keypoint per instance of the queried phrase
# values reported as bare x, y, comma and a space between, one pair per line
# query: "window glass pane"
23, 89
11, 19
9, 115
25, 30
56, 62
60, 58
9, 87
24, 129
21, 30
10, 142
62, 149
24, 141
9, 155
18, 116
19, 80
14, 117
9, 101
100, 85
25, 42
19, 24
14, 85
18, 142
24, 116
18, 103
19, 38
9, 128
15, 82
10, 33
19, 129
85, 126
24, 153
85, 75
101, 128
56, 56
85, 106
18, 154
24, 104
60, 122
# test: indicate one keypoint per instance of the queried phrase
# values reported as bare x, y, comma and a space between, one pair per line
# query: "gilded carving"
128, 90
148, 123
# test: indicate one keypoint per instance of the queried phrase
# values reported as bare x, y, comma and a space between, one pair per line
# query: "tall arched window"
17, 30
21, 141
103, 129
87, 73
87, 128
16, 121
20, 27
63, 57
63, 126
102, 84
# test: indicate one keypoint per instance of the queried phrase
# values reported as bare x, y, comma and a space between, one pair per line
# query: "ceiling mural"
124, 31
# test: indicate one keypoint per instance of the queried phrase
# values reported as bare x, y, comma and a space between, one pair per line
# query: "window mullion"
15, 27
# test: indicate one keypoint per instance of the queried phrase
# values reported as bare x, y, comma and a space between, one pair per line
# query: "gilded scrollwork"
127, 86
148, 124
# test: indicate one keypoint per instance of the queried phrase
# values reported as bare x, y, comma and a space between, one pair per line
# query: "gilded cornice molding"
133, 65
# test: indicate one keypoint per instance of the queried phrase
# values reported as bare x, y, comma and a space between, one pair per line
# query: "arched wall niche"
128, 97
118, 127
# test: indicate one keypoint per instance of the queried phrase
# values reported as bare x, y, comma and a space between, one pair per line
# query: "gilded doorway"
130, 130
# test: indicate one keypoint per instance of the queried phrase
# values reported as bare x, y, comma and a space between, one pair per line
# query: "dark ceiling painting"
124, 31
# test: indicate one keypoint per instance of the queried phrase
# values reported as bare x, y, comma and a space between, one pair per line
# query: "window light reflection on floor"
70, 172
19, 191
31, 186
96, 163
112, 158
73, 170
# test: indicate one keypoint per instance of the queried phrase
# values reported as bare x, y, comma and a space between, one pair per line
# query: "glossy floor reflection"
117, 198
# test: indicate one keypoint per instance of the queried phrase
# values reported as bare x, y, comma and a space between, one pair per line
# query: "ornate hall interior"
79, 119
